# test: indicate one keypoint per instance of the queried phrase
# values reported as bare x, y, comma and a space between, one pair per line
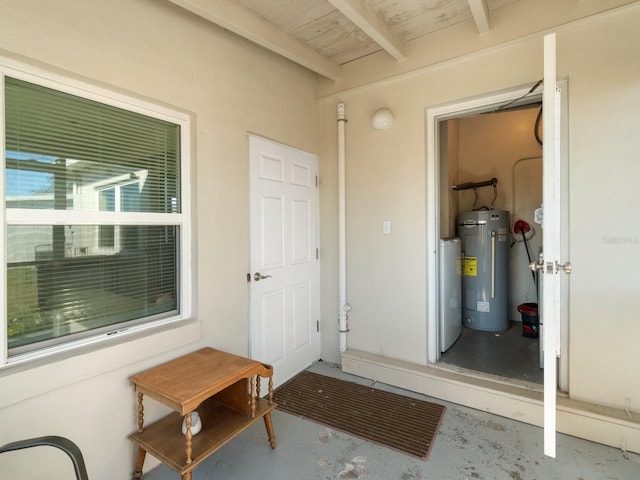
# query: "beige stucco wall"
386, 180
157, 51
601, 63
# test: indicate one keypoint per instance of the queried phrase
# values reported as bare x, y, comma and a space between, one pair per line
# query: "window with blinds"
94, 217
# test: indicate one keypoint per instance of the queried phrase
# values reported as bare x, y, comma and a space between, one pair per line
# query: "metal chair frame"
64, 444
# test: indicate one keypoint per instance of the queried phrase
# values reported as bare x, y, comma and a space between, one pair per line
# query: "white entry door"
553, 264
284, 273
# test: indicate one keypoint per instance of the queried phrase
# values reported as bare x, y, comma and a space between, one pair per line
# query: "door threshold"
473, 374
455, 384
523, 402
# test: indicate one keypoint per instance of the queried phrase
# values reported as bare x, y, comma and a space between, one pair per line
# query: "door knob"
535, 266
566, 267
258, 276
554, 267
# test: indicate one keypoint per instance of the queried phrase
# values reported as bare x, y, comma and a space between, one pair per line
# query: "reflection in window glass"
114, 266
66, 148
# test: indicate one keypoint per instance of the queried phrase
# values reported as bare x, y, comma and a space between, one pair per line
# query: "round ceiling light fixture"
382, 119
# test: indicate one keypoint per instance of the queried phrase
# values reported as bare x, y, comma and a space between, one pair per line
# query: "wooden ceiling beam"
365, 18
480, 12
246, 24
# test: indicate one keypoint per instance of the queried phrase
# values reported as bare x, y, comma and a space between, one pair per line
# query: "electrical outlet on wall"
386, 227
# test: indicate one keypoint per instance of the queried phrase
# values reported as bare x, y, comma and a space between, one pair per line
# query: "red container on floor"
530, 319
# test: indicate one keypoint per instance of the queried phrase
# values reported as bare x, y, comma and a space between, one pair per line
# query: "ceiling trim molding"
254, 28
373, 25
480, 12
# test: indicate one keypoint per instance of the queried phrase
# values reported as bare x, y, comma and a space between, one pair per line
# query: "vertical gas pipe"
343, 306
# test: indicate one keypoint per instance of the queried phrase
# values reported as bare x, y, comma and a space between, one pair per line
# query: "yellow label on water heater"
470, 267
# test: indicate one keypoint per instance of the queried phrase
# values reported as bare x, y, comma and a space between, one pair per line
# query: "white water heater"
450, 286
485, 280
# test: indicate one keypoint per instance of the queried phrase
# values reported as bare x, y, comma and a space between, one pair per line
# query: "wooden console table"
225, 391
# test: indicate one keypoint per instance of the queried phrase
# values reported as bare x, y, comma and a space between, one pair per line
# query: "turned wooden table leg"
140, 412
267, 418
186, 476
252, 395
269, 425
137, 473
188, 437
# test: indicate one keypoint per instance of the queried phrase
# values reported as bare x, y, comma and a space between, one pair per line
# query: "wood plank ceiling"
324, 34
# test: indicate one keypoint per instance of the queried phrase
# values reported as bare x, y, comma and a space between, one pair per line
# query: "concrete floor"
470, 445
505, 354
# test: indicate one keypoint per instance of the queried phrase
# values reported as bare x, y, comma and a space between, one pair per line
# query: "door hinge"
316, 180
318, 326
317, 253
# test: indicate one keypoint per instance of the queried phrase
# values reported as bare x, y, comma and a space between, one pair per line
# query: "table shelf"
164, 439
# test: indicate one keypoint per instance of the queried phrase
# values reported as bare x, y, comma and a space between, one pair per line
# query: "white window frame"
28, 73
117, 189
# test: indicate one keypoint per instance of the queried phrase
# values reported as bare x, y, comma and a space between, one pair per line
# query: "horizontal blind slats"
69, 155
97, 142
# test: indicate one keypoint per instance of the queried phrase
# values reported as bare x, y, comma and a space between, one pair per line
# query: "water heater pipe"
343, 306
